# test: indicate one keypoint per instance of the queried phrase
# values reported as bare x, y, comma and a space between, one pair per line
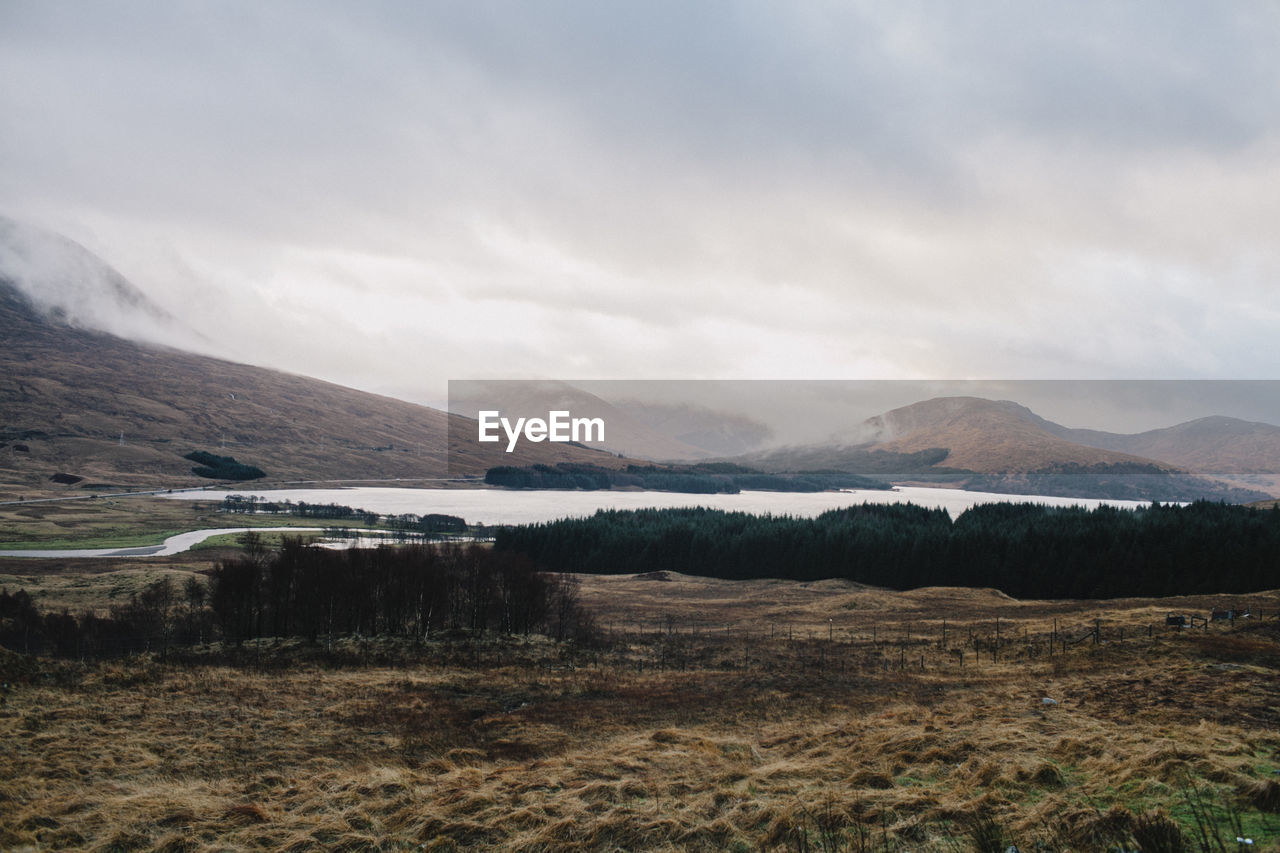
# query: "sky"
394, 194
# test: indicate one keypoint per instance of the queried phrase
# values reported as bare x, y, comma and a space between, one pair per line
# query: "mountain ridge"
1215, 443
112, 411
78, 400
626, 433
1001, 445
65, 283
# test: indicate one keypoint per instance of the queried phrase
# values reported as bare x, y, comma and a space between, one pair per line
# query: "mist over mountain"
88, 406
628, 431
98, 382
65, 282
715, 433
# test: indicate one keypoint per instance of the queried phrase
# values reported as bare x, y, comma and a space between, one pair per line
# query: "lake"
502, 506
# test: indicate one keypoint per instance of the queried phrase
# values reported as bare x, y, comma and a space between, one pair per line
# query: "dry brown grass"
669, 740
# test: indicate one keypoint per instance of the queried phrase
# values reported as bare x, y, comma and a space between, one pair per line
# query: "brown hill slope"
987, 436
1213, 445
1000, 446
112, 411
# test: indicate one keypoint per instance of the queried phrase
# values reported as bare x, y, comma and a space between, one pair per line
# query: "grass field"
717, 715
124, 522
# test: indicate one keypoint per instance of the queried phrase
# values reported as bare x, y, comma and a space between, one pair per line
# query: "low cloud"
670, 189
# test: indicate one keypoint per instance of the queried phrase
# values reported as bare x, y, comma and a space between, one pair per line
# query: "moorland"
699, 714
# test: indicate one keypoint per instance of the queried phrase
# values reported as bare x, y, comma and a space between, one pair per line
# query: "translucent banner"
1134, 440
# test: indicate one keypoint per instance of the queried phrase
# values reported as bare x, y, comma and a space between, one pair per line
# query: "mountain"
713, 433
991, 437
1003, 446
87, 404
65, 282
1216, 445
628, 432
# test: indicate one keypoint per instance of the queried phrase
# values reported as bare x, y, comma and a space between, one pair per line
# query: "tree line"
254, 505
1025, 550
432, 522
304, 591
216, 467
159, 616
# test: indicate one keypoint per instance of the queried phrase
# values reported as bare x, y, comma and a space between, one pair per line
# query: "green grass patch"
102, 540
269, 539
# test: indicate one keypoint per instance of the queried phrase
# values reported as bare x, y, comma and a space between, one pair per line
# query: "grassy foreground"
720, 716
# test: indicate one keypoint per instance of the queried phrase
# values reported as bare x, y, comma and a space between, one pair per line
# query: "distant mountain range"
626, 433
636, 429
86, 406
1216, 445
976, 443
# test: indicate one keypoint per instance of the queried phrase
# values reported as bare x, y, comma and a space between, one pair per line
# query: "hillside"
1234, 450
640, 427
111, 411
989, 437
1003, 446
627, 433
715, 433
72, 286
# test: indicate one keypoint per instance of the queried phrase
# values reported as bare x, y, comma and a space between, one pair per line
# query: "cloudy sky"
393, 194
